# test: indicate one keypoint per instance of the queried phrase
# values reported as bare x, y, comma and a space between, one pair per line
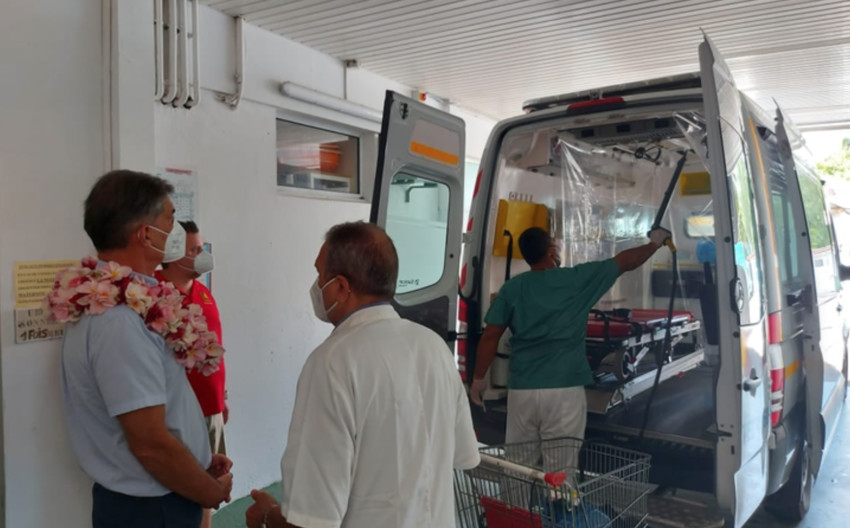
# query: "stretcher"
618, 340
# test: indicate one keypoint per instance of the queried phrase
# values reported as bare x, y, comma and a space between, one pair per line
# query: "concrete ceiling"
489, 56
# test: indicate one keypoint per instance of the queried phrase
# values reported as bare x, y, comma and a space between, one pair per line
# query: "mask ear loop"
347, 291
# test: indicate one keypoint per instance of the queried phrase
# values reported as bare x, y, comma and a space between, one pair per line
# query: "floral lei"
89, 289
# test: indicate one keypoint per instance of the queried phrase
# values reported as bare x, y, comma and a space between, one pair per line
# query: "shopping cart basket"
558, 483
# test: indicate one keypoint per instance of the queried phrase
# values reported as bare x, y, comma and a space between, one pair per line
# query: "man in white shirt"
381, 417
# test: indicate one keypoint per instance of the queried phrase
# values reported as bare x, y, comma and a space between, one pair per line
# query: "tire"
792, 501
623, 368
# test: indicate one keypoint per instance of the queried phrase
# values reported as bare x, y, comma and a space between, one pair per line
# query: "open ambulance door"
743, 417
813, 343
418, 199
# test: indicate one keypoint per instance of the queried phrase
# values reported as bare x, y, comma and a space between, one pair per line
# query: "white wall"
51, 151
265, 243
264, 240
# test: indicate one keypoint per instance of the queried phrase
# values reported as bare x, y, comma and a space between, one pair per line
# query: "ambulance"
725, 356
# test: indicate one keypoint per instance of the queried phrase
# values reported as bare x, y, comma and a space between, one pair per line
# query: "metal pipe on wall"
234, 98
158, 28
171, 78
182, 57
195, 97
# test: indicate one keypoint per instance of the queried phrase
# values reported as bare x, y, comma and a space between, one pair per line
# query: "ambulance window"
699, 226
785, 231
820, 235
744, 228
417, 222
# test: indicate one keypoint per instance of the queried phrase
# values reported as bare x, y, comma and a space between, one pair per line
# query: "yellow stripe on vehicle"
792, 368
433, 153
771, 229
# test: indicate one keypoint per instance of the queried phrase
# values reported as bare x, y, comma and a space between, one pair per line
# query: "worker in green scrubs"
546, 309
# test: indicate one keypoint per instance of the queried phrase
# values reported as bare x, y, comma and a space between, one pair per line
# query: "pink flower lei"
89, 289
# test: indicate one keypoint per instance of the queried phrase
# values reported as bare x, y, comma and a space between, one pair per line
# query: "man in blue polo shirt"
133, 421
546, 310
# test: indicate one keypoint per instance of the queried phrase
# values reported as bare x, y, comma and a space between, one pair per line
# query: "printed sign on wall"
31, 324
34, 279
185, 195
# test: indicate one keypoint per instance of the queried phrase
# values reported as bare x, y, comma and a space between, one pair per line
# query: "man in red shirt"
210, 389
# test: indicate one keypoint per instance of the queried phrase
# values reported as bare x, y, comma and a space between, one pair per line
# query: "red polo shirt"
208, 389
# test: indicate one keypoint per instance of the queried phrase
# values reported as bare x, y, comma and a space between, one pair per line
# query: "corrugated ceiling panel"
489, 56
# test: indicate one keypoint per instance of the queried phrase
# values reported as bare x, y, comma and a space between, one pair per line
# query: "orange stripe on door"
433, 153
792, 368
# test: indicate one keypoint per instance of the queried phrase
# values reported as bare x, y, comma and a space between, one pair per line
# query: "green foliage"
837, 165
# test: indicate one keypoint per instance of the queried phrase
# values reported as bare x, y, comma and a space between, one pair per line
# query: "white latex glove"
659, 235
476, 391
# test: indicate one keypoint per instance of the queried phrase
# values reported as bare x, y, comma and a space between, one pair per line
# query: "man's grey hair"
365, 255
119, 202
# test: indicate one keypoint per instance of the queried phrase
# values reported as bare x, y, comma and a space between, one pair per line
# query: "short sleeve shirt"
381, 419
547, 314
112, 365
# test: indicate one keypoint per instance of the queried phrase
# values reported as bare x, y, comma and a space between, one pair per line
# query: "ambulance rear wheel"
791, 502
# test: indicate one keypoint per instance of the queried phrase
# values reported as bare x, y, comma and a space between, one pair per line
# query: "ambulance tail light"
774, 328
777, 395
607, 103
461, 329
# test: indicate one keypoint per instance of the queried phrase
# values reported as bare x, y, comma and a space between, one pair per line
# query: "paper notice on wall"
31, 324
185, 194
34, 279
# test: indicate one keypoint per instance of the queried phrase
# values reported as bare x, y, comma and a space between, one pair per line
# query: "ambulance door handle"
752, 383
736, 292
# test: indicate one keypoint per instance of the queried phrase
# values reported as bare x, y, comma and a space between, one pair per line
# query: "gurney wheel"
624, 366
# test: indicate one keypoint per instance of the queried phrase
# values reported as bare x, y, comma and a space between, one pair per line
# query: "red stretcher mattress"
619, 326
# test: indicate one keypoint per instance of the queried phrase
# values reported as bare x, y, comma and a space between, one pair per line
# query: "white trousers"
543, 414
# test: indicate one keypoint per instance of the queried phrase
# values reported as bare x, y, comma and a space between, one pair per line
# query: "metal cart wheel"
624, 366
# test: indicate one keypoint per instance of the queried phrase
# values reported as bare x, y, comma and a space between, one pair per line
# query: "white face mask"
175, 244
202, 263
318, 302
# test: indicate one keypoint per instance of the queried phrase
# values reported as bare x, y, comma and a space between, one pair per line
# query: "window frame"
754, 310
367, 148
421, 175
824, 291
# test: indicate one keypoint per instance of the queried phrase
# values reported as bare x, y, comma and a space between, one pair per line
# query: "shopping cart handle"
555, 479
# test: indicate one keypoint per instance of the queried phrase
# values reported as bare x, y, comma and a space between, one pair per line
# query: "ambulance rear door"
823, 345
743, 418
418, 199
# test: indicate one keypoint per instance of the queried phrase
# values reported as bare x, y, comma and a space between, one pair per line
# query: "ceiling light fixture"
308, 95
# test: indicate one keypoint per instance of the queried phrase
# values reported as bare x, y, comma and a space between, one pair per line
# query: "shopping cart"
559, 483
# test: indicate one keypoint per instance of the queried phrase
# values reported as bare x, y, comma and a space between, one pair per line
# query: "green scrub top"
547, 314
